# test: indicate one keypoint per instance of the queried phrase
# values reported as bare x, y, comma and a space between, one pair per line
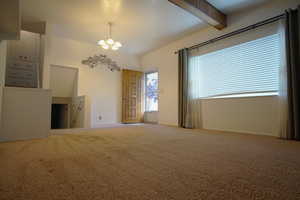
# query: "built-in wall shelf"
23, 62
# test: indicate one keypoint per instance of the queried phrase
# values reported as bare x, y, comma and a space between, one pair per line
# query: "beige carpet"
150, 162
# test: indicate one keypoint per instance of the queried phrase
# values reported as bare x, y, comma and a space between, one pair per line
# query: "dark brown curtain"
293, 72
183, 86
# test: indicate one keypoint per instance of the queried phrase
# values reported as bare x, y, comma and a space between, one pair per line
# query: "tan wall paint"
166, 61
101, 86
10, 19
78, 115
28, 45
63, 81
26, 114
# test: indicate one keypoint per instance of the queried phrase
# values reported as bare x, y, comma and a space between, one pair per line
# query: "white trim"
83, 130
23, 89
156, 111
64, 66
246, 95
239, 132
145, 82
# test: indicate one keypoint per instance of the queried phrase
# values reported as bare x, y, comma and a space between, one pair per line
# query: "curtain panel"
189, 109
292, 31
183, 87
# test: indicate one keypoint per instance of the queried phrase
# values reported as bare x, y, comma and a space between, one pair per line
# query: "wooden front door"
132, 96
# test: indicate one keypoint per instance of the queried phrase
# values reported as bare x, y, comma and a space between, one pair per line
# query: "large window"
247, 68
151, 92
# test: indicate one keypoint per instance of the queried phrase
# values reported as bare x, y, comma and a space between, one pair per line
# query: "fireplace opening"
59, 116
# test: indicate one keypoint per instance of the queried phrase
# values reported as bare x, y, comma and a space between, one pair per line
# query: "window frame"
145, 86
242, 94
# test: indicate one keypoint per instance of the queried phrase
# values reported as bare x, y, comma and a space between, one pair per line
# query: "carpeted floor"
150, 162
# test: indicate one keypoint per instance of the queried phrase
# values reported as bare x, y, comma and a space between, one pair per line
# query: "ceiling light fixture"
109, 43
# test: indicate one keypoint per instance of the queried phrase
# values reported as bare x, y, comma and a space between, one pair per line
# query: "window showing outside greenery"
151, 92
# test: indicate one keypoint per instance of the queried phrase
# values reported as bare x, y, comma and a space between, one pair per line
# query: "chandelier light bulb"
110, 41
101, 42
105, 46
118, 44
115, 48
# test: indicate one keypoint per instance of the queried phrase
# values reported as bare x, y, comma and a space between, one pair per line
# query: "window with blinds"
247, 68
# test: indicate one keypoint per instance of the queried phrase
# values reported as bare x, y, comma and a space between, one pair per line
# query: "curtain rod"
242, 30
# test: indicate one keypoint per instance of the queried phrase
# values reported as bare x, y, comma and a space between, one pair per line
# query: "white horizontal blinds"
260, 32
250, 67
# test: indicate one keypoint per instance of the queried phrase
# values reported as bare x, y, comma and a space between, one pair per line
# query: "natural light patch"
151, 92
257, 94
251, 67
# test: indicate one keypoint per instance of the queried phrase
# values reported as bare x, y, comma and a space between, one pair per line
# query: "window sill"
233, 96
150, 111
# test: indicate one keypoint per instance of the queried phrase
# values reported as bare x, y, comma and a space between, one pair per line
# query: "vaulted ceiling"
141, 25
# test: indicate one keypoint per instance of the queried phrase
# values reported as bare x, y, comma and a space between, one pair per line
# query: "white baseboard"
242, 132
107, 125
82, 130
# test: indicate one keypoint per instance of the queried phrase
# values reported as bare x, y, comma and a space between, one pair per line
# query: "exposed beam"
203, 10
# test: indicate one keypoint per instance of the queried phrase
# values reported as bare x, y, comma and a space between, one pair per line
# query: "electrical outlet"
99, 117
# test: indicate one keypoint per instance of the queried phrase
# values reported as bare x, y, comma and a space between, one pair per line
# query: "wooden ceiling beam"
203, 10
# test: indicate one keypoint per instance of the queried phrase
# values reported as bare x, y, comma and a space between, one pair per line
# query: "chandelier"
101, 60
109, 43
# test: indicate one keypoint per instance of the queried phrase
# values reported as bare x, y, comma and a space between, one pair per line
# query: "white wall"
77, 112
28, 45
150, 117
101, 86
166, 61
254, 115
20, 51
26, 114
63, 81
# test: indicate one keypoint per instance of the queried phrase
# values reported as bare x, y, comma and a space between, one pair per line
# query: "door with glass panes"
132, 96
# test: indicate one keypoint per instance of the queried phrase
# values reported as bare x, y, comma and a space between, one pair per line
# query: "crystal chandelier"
109, 43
